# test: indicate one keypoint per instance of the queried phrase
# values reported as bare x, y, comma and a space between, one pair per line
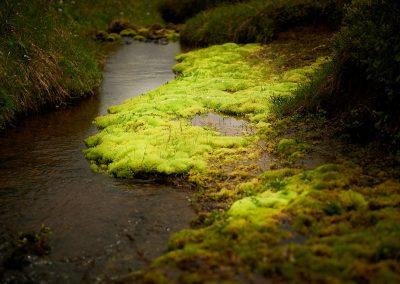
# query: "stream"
101, 227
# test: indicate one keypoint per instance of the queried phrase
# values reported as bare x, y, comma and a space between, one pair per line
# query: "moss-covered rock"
128, 33
139, 38
113, 37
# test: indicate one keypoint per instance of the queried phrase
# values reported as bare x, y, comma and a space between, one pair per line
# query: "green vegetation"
336, 222
270, 206
359, 88
177, 11
318, 225
123, 29
259, 21
47, 52
152, 134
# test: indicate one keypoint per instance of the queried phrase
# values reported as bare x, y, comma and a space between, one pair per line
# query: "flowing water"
101, 227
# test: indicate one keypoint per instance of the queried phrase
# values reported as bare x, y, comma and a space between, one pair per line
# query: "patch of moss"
173, 36
326, 236
143, 32
128, 33
113, 37
139, 38
283, 225
152, 133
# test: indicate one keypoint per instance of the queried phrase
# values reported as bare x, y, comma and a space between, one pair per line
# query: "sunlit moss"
152, 133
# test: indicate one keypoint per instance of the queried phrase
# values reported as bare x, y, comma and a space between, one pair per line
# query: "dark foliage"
259, 21
368, 67
178, 11
361, 87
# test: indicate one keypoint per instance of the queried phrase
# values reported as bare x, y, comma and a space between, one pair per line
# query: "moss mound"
152, 134
317, 226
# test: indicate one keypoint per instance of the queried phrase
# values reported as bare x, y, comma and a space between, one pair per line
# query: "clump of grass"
258, 21
151, 134
308, 97
47, 52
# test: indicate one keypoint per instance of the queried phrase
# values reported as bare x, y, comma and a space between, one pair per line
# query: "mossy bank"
267, 209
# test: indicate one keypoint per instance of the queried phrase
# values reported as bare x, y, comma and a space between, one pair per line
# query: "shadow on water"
101, 227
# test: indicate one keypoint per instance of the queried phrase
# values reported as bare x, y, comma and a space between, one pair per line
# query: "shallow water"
101, 227
226, 125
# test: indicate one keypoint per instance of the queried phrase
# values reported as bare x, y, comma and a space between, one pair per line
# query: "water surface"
102, 227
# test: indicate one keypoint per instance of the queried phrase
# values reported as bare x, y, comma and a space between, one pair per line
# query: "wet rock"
123, 29
113, 37
155, 27
139, 38
128, 33
24, 249
143, 32
163, 41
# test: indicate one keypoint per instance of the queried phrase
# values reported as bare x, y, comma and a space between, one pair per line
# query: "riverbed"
101, 227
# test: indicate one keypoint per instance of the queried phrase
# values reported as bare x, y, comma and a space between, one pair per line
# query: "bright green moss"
128, 33
286, 224
152, 133
327, 236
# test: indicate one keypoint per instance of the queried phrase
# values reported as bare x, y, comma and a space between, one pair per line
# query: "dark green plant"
259, 21
361, 87
178, 11
368, 65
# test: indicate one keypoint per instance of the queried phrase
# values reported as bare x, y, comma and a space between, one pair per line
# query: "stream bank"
100, 227
284, 202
